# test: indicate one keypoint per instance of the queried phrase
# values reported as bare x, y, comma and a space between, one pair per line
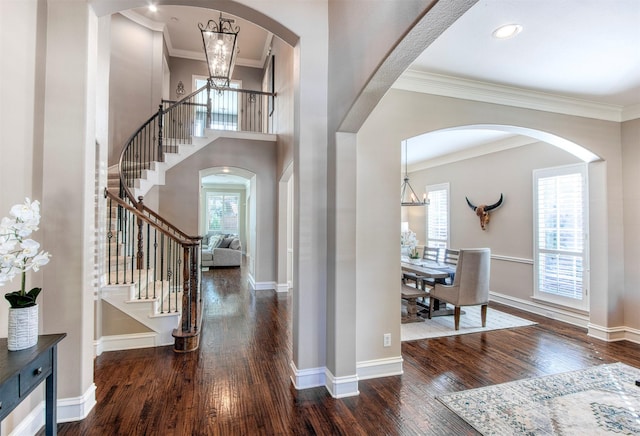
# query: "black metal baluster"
169, 272
125, 228
160, 123
155, 261
132, 227
109, 237
148, 261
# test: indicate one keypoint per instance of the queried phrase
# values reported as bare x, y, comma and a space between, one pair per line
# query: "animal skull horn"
483, 211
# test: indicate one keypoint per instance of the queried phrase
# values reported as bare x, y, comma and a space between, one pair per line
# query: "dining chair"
470, 285
429, 254
451, 260
451, 257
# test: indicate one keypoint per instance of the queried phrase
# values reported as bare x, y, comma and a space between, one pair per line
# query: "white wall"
22, 41
631, 172
135, 88
179, 198
509, 233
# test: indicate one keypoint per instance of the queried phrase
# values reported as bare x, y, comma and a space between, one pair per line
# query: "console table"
21, 371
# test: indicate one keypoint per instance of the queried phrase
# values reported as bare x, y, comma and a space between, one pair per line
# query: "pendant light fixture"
220, 49
408, 196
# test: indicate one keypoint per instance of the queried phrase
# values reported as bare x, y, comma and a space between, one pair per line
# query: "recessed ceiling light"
507, 31
153, 8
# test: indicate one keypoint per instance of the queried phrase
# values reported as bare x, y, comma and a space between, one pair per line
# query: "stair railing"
172, 259
145, 249
176, 123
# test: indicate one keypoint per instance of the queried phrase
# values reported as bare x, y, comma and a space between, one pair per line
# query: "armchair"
470, 285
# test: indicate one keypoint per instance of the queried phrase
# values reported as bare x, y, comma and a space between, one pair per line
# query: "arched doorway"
227, 205
483, 162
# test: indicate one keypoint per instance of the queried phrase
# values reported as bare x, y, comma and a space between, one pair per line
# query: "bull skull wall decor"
483, 211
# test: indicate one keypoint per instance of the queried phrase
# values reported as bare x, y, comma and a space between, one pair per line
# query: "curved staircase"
152, 271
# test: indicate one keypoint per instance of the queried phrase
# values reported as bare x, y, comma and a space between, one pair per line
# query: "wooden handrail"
188, 241
157, 216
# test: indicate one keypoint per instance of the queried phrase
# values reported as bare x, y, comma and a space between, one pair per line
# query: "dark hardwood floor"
238, 382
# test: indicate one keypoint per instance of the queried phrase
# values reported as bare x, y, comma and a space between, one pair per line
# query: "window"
438, 215
224, 107
560, 231
223, 213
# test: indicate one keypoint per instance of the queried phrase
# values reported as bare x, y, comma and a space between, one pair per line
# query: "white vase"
23, 328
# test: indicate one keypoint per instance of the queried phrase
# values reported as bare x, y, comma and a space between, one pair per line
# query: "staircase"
138, 293
148, 310
152, 271
146, 179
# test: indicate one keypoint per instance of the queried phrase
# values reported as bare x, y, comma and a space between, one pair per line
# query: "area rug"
470, 322
602, 400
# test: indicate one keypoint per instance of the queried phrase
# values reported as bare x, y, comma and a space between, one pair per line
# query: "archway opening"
227, 206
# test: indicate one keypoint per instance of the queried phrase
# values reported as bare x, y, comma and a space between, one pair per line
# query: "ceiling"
181, 32
584, 51
587, 50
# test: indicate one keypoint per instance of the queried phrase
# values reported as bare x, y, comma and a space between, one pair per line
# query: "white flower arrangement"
19, 253
408, 239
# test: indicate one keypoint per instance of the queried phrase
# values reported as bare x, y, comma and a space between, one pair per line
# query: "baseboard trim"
282, 287
613, 334
307, 378
542, 310
608, 334
632, 335
264, 286
341, 387
76, 409
32, 423
379, 368
125, 342
69, 409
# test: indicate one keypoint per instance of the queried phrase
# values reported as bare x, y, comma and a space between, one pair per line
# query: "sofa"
221, 250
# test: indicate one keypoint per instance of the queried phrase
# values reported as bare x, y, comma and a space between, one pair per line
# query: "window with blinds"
438, 215
560, 222
223, 213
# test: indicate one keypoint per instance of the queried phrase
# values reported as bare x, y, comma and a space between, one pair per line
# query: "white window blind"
223, 213
560, 231
438, 215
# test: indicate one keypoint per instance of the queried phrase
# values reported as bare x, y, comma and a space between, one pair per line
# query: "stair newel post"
194, 285
186, 292
209, 104
140, 254
160, 125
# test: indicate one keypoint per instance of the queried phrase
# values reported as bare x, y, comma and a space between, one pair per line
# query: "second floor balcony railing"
221, 109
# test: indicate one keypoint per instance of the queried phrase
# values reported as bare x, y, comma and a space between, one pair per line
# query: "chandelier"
408, 196
220, 49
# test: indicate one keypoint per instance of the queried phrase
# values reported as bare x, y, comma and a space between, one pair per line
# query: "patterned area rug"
602, 400
470, 322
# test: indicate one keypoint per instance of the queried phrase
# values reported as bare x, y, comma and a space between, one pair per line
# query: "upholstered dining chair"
430, 254
470, 285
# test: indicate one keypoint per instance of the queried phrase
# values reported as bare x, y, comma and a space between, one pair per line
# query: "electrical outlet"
387, 340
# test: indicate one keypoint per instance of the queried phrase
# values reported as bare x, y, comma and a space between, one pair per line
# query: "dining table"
434, 270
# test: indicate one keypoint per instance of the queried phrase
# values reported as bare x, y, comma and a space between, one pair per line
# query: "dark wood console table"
21, 371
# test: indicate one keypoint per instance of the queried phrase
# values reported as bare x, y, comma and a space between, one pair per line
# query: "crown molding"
447, 86
178, 53
631, 112
480, 150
